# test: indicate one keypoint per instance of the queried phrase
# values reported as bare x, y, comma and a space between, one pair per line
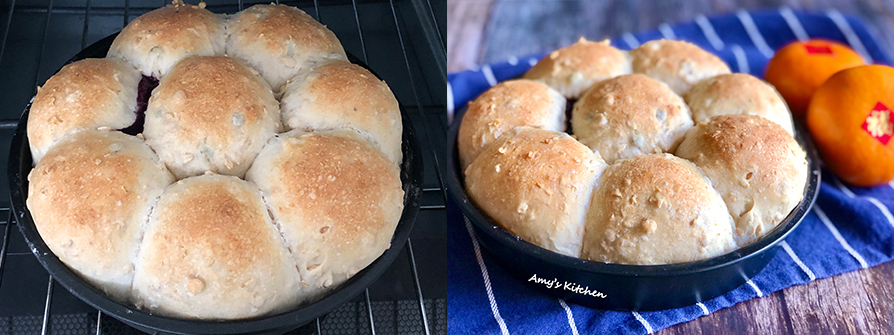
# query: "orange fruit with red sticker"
798, 69
852, 122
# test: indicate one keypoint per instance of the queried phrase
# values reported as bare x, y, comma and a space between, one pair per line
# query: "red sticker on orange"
818, 49
880, 123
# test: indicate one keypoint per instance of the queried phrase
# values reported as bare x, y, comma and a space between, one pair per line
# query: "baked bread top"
573, 69
678, 64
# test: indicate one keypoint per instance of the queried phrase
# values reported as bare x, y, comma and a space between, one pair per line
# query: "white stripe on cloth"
754, 33
709, 32
825, 219
881, 207
891, 184
512, 60
644, 322
667, 32
631, 40
568, 313
487, 287
791, 253
793, 23
488, 75
449, 103
704, 308
755, 288
532, 61
849, 34
741, 58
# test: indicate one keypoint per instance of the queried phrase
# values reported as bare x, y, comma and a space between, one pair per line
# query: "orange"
851, 120
799, 68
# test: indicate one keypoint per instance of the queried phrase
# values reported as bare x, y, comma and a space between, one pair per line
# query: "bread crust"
629, 116
573, 69
536, 184
738, 93
678, 64
758, 168
656, 209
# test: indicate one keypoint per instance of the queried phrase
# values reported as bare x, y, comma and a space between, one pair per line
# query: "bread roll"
89, 93
279, 41
738, 93
656, 209
90, 198
336, 199
573, 69
536, 184
507, 105
211, 251
678, 64
338, 94
758, 168
157, 40
210, 113
628, 116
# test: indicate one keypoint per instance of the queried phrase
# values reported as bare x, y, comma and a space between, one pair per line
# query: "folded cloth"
849, 227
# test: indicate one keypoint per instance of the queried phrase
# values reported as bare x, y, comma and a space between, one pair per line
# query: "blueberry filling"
144, 91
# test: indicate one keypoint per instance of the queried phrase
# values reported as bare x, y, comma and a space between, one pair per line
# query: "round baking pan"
620, 286
20, 165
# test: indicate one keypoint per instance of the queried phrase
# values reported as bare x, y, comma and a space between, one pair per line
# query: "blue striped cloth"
848, 229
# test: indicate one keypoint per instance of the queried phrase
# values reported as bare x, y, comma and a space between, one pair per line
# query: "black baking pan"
20, 165
620, 286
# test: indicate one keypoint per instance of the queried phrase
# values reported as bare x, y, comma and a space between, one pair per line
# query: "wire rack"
401, 40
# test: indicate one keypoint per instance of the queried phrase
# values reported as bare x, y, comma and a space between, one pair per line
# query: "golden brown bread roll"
678, 64
90, 198
507, 105
738, 93
628, 116
573, 69
758, 168
656, 209
536, 184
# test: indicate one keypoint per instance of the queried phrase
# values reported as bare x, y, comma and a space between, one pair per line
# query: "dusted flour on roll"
211, 251
338, 94
678, 64
210, 114
573, 69
536, 184
629, 116
758, 168
90, 198
89, 93
336, 199
157, 40
656, 209
507, 105
279, 41
738, 93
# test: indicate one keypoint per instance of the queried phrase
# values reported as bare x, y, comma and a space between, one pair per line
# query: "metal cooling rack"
401, 40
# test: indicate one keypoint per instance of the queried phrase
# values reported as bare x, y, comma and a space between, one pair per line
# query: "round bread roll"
338, 94
89, 93
656, 209
280, 41
536, 184
628, 116
157, 40
336, 198
758, 168
678, 64
210, 113
211, 251
738, 93
90, 198
573, 69
507, 105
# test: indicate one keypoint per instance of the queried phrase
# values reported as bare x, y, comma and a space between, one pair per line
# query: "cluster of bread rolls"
266, 172
672, 158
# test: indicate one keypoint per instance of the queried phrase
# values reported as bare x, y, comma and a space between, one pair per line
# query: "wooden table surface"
481, 32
